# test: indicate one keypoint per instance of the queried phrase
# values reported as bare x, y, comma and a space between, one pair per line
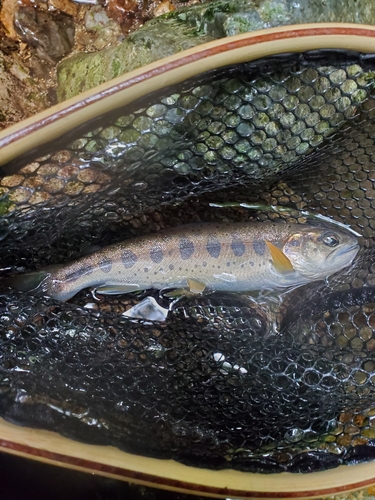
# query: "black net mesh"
228, 380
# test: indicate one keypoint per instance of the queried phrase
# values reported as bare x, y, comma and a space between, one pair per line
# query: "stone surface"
20, 94
50, 33
157, 39
97, 31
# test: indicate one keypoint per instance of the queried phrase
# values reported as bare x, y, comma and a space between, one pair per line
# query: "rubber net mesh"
228, 380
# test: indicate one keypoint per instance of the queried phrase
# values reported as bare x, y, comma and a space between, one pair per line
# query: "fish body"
233, 257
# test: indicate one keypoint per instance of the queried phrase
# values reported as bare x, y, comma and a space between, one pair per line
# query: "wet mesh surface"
267, 385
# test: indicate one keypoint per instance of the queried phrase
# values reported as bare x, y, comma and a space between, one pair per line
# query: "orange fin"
194, 287
280, 260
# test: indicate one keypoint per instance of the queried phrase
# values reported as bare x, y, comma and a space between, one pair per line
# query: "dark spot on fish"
259, 247
78, 273
213, 247
171, 267
105, 265
146, 269
128, 258
228, 264
156, 254
186, 248
251, 264
204, 264
238, 246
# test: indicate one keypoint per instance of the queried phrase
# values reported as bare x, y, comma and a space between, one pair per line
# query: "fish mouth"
354, 248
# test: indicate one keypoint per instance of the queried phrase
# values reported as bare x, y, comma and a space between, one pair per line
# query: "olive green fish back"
226, 381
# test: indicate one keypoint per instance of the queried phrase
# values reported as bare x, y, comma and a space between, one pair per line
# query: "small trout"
236, 257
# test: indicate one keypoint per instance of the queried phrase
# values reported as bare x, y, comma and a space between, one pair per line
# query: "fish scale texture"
227, 381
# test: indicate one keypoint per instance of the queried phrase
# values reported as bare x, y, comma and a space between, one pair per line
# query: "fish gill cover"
227, 381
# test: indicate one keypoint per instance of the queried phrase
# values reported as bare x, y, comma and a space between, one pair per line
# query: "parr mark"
186, 248
128, 258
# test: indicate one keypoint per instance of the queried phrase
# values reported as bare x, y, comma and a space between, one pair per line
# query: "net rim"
59, 119
108, 461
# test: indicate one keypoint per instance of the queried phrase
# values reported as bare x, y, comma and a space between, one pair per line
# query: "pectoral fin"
117, 289
280, 260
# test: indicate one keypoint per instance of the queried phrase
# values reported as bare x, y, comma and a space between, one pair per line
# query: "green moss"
116, 65
157, 39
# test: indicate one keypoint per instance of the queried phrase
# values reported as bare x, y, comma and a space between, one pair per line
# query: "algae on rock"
191, 26
157, 39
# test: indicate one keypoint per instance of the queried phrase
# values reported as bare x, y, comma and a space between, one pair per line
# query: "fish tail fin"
35, 282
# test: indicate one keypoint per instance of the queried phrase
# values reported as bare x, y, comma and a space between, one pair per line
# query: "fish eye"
331, 240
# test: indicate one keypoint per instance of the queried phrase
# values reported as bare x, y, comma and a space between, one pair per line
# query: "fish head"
316, 252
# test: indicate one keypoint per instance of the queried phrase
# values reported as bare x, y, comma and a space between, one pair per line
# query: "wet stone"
50, 33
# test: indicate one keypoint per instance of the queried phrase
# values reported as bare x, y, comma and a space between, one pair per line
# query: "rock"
50, 33
154, 41
126, 12
163, 8
66, 6
222, 18
132, 14
8, 9
184, 28
98, 30
20, 95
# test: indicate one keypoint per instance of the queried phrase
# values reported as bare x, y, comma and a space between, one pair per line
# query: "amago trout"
234, 257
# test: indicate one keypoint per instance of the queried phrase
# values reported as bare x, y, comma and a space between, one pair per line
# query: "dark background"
23, 479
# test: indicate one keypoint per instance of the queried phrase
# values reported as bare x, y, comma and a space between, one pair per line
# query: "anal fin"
195, 286
176, 293
117, 289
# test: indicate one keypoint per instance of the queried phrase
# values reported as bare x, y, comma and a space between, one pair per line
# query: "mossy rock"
188, 27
